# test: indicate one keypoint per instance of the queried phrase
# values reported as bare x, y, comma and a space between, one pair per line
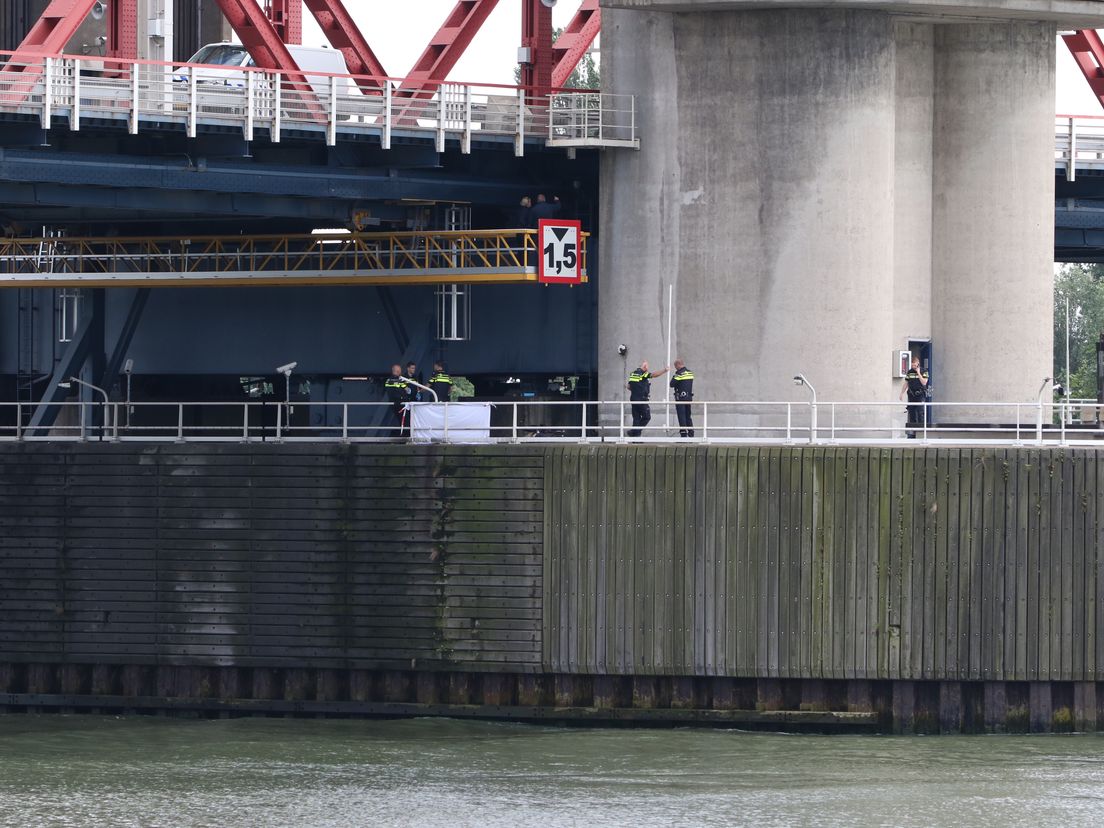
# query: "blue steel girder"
87, 342
112, 181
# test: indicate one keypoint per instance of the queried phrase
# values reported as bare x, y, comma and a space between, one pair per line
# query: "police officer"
682, 382
412, 373
916, 386
640, 390
398, 394
441, 383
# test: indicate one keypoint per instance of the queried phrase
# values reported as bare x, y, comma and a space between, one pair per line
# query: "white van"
230, 56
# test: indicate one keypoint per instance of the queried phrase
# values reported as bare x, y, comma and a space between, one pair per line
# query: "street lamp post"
107, 402
800, 379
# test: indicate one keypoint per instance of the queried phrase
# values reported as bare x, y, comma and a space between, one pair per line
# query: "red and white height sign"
560, 241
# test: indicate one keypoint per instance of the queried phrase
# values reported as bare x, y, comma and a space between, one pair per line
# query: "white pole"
1067, 411
670, 309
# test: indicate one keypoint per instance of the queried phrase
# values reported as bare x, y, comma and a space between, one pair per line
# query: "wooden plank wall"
980, 564
258, 555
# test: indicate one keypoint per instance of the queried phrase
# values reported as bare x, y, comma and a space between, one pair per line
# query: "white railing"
1079, 143
785, 423
265, 105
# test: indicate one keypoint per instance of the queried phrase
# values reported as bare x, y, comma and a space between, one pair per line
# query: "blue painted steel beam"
87, 341
171, 177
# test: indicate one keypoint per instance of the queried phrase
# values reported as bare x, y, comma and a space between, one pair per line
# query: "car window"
221, 54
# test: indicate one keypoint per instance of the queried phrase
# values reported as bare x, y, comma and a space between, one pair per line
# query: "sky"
398, 36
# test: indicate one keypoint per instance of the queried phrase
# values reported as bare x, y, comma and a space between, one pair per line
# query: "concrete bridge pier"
823, 185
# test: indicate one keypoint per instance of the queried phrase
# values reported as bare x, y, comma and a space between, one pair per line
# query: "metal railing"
784, 423
265, 104
1079, 143
429, 257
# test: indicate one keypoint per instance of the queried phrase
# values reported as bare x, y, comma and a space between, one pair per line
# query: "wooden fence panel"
272, 555
829, 562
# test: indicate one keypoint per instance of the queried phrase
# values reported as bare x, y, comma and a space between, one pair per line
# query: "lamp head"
799, 380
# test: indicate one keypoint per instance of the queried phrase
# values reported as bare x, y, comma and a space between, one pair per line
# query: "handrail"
267, 103
521, 421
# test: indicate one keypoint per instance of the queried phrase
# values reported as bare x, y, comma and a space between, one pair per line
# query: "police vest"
441, 383
396, 388
683, 383
640, 386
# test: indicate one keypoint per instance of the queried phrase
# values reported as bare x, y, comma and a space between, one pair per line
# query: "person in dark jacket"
412, 373
916, 386
682, 383
640, 391
398, 392
441, 383
544, 209
525, 213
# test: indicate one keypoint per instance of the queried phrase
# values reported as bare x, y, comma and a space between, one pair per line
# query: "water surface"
103, 771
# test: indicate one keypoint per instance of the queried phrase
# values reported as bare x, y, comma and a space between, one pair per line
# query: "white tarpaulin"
467, 422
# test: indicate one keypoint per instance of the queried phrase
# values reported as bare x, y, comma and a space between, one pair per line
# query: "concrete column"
912, 184
763, 192
992, 213
639, 200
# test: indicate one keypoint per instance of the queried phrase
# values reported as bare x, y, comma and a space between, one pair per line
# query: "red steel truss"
338, 26
51, 31
264, 44
536, 37
266, 33
1088, 51
287, 19
446, 47
575, 40
122, 29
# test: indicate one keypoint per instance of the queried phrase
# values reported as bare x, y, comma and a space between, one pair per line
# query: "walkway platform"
510, 256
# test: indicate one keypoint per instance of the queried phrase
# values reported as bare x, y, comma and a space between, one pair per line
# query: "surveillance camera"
128, 366
622, 349
1059, 390
287, 369
799, 380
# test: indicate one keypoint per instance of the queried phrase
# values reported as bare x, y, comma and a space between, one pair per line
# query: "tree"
585, 76
1083, 284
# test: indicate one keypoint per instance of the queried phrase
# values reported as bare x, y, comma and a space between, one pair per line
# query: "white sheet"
468, 422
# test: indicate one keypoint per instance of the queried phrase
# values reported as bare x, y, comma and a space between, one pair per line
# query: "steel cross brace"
1088, 51
48, 36
338, 26
575, 40
446, 47
269, 52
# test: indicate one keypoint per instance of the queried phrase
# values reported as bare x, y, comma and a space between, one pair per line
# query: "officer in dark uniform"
682, 383
398, 394
412, 373
441, 383
916, 386
640, 391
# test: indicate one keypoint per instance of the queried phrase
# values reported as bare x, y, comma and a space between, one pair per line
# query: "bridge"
138, 169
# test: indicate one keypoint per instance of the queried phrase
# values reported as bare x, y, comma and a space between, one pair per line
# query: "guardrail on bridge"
267, 104
515, 421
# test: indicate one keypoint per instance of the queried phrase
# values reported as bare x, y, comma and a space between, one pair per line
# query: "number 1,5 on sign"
559, 241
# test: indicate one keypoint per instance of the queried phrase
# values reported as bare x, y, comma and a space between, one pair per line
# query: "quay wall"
932, 589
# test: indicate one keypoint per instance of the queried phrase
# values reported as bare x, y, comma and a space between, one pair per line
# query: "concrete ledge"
1074, 14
